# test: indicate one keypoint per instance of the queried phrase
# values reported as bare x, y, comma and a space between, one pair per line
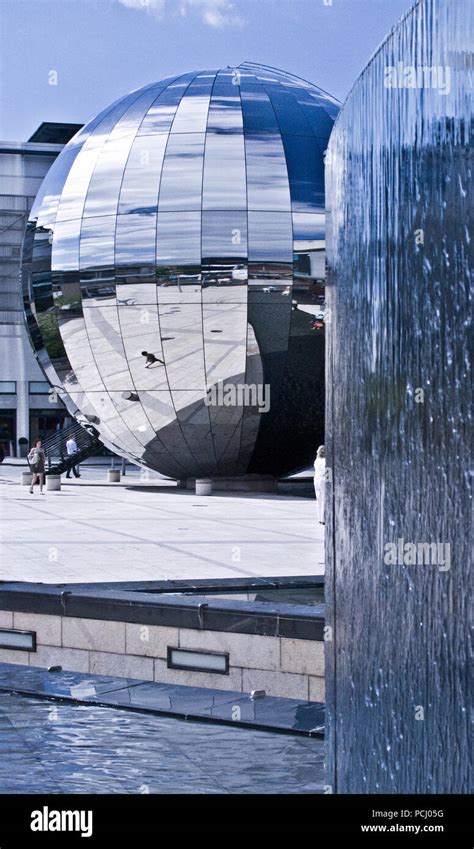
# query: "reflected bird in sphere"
150, 359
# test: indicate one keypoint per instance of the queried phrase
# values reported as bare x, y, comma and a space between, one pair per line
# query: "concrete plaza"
149, 530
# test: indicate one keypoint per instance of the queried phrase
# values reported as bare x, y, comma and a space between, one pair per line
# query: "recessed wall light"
18, 640
198, 661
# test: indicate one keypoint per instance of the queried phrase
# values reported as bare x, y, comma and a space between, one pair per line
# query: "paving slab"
133, 531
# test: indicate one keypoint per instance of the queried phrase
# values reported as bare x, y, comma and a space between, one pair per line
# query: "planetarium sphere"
173, 273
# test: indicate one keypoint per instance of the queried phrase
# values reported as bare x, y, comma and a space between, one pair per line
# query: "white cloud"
214, 13
157, 7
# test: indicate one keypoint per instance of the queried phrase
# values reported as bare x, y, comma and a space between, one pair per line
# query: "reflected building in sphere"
173, 273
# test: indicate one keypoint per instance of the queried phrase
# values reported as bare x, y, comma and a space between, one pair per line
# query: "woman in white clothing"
320, 482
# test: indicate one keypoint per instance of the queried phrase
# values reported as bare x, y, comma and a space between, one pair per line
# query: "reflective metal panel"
159, 116
225, 112
178, 239
182, 340
46, 203
191, 114
270, 236
105, 338
181, 178
141, 335
224, 235
183, 249
65, 240
258, 112
224, 335
289, 114
141, 177
306, 173
104, 186
224, 183
267, 173
135, 242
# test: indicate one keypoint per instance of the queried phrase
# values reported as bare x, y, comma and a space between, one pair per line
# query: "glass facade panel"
37, 387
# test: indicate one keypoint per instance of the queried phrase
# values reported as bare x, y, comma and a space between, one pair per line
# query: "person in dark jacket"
37, 459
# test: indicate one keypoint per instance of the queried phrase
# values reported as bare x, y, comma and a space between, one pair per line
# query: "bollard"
113, 475
203, 486
53, 483
26, 478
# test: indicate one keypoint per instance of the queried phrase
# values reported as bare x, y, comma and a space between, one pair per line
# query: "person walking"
320, 482
37, 459
71, 448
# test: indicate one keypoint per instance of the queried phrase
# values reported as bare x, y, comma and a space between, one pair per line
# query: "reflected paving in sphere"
177, 245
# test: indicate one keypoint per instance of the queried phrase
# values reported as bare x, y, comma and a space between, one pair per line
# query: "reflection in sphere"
174, 273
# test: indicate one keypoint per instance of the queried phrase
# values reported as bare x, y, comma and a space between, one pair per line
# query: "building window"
7, 387
39, 387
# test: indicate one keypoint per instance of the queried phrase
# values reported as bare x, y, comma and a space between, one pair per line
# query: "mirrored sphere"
174, 267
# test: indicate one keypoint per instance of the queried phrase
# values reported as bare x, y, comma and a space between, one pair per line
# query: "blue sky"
100, 49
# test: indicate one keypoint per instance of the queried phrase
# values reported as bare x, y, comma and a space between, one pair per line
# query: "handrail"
55, 450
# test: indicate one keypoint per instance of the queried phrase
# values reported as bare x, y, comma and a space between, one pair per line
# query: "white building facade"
28, 406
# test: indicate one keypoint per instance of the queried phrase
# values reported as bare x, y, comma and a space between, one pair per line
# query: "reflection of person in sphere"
320, 482
150, 359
